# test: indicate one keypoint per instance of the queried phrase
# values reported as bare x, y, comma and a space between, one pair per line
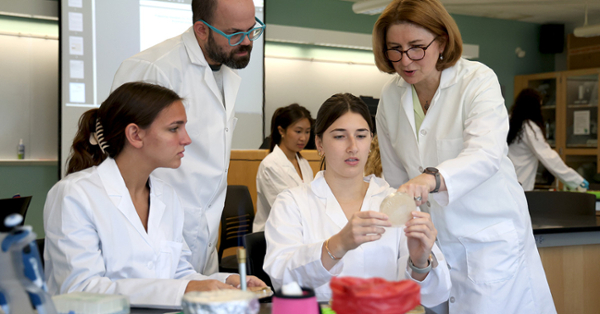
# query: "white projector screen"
97, 35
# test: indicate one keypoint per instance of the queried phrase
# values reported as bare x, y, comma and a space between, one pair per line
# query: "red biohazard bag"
351, 295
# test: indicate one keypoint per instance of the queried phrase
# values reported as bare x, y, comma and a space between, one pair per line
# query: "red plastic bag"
351, 295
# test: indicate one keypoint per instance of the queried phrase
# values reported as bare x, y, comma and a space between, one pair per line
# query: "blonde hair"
373, 165
429, 14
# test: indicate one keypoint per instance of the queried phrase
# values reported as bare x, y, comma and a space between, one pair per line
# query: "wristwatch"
436, 173
421, 270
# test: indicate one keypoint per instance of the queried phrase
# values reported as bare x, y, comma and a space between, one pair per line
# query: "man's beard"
216, 54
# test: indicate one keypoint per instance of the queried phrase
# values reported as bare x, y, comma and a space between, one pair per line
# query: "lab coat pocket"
492, 253
233, 123
168, 259
448, 148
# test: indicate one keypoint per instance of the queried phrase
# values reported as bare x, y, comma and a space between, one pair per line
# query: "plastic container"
21, 150
220, 302
91, 303
295, 304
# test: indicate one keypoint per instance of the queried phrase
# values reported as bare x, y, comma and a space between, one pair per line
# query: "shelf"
588, 151
566, 94
28, 162
582, 106
544, 187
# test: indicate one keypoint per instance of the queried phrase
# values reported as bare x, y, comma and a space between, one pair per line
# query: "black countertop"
550, 223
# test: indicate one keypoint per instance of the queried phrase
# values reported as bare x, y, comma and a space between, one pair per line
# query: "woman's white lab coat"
275, 174
303, 217
526, 152
95, 240
483, 222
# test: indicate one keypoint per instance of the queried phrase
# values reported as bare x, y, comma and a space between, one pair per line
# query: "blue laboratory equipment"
24, 260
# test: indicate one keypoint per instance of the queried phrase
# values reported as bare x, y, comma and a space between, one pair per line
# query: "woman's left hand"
420, 235
251, 281
418, 188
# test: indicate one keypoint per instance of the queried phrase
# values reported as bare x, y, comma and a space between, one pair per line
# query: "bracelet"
420, 270
329, 252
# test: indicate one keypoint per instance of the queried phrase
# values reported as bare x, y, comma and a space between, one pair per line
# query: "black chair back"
256, 249
15, 205
236, 221
556, 204
40, 245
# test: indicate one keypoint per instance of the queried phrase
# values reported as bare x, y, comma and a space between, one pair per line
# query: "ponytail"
84, 154
275, 136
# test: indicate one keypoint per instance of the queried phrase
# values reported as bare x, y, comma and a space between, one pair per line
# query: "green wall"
34, 180
28, 26
497, 39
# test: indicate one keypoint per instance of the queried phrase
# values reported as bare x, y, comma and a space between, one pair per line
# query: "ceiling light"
371, 7
587, 30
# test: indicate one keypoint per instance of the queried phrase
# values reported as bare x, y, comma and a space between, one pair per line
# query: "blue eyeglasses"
237, 38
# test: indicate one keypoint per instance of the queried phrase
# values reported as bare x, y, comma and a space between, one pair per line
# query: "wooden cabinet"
570, 111
243, 167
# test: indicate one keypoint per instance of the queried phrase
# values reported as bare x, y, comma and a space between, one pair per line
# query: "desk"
569, 247
265, 308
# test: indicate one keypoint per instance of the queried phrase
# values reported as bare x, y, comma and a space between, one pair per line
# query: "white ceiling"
569, 12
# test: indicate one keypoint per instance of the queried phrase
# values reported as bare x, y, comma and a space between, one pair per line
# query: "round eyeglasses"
237, 38
414, 53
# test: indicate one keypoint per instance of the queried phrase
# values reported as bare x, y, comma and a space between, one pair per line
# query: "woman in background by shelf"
284, 167
527, 144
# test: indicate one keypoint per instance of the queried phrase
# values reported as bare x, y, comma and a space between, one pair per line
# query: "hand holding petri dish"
398, 206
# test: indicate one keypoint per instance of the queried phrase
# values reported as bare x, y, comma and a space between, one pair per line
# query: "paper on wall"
76, 69
75, 3
76, 45
75, 22
581, 122
77, 92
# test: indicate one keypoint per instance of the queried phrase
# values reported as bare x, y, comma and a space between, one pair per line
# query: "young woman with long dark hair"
112, 227
284, 167
527, 144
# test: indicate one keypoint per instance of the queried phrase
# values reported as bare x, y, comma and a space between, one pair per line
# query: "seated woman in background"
527, 144
111, 227
333, 227
284, 167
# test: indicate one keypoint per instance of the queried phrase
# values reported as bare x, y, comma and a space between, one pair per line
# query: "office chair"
556, 204
236, 221
256, 249
15, 205
40, 245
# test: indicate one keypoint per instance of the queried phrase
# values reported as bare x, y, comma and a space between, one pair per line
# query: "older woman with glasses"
442, 128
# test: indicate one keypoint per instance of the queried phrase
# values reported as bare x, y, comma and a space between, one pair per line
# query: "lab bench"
570, 251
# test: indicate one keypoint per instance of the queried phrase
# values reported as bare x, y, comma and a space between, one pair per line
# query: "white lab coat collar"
449, 77
117, 191
278, 152
285, 162
322, 190
229, 75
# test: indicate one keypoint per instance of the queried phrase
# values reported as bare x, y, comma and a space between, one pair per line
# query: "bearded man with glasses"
200, 66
